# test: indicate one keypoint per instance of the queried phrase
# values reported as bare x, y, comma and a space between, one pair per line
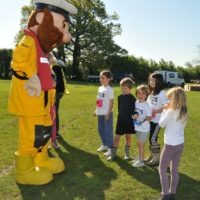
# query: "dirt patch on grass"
6, 170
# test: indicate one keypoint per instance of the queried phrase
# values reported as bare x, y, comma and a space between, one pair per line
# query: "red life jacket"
44, 70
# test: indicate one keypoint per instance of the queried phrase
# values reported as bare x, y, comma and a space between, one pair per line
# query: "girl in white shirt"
104, 107
157, 99
173, 119
141, 119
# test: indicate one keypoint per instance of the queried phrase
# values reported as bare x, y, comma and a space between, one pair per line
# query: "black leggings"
154, 130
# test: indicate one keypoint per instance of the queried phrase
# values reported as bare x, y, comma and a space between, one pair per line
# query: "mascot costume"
31, 90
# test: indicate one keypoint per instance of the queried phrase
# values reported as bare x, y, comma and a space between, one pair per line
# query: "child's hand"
54, 83
107, 117
148, 118
135, 116
153, 113
166, 106
94, 113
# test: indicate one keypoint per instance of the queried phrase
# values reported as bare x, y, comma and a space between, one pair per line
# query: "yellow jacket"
25, 60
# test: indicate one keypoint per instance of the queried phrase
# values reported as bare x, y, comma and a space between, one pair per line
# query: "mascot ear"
39, 17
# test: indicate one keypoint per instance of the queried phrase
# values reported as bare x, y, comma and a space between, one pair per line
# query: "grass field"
88, 175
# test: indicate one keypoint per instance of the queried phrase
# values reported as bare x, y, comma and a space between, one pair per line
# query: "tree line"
93, 48
139, 67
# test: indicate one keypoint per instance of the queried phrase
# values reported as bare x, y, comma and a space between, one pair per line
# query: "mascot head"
50, 22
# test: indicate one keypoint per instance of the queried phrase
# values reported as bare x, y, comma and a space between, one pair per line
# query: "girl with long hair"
173, 120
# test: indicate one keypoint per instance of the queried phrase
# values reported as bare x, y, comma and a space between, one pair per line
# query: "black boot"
165, 197
172, 196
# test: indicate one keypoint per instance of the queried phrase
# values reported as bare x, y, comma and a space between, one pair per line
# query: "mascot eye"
65, 25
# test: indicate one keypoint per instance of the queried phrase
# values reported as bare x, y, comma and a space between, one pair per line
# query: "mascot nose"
67, 37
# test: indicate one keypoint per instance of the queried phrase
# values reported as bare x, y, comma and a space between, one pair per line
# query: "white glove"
33, 86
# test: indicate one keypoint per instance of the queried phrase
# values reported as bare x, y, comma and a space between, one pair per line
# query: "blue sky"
152, 29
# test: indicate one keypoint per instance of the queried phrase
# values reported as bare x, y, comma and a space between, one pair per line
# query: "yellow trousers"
34, 133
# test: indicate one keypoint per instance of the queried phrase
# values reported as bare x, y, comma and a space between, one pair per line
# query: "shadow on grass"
188, 188
146, 175
85, 177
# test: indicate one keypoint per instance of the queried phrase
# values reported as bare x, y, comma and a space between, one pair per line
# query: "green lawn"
88, 175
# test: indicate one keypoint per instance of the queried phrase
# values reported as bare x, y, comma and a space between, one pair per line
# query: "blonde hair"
128, 82
178, 101
144, 89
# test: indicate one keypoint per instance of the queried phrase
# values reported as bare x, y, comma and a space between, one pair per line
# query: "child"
104, 106
141, 122
61, 89
156, 100
126, 106
51, 98
173, 119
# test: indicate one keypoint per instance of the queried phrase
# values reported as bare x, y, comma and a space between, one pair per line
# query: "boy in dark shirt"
126, 107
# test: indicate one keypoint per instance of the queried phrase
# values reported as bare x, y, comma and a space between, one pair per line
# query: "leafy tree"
93, 31
188, 64
25, 13
153, 66
164, 65
5, 59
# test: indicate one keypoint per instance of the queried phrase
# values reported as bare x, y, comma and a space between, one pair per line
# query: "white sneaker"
138, 164
126, 157
102, 148
135, 159
108, 153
